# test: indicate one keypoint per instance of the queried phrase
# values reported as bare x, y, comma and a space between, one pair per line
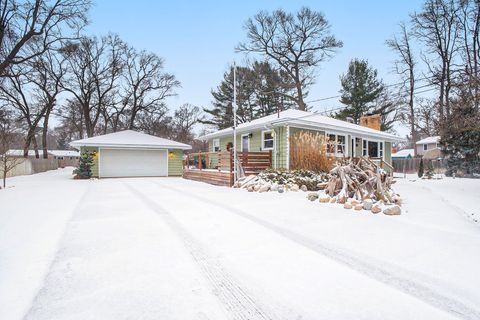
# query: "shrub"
84, 170
420, 168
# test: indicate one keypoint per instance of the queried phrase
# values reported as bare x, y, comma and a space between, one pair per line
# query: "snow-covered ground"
168, 248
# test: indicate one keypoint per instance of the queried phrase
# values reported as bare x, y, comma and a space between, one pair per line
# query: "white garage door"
133, 163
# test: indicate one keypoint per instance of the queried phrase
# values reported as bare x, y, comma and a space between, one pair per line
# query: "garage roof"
130, 139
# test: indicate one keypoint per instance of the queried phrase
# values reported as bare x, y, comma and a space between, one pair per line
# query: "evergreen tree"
420, 168
261, 90
360, 88
461, 141
84, 170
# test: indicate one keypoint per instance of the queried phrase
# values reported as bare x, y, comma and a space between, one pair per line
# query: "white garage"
125, 163
133, 154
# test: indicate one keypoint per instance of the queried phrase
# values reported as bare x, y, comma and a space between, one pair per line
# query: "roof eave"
130, 146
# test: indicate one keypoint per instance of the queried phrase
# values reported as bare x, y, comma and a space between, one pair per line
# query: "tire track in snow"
239, 304
375, 271
43, 289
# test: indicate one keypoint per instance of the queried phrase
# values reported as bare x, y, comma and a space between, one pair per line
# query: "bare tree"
94, 68
436, 26
297, 43
30, 28
7, 137
405, 67
146, 86
184, 120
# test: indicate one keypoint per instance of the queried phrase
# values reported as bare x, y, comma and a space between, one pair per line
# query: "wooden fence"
32, 165
411, 165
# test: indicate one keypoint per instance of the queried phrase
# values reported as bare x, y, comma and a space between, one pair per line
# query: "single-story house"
403, 154
65, 154
273, 133
31, 153
133, 154
427, 144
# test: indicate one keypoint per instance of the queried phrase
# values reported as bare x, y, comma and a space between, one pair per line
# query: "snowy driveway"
175, 249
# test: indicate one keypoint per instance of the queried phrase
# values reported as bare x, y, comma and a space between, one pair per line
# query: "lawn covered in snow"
168, 248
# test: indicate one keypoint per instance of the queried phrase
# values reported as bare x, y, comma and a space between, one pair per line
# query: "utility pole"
234, 105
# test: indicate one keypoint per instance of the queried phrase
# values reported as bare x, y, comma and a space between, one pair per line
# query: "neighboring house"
31, 153
273, 133
403, 154
65, 154
427, 144
133, 154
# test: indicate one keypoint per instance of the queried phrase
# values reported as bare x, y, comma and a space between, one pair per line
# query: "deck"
217, 167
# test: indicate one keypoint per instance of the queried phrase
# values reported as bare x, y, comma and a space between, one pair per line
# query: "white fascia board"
130, 146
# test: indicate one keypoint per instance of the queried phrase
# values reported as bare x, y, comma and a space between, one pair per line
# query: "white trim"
287, 160
262, 147
213, 144
248, 140
345, 144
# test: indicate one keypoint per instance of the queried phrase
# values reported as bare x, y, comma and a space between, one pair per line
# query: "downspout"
287, 161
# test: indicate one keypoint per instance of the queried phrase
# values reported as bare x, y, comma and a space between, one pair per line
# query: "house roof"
130, 139
304, 119
403, 153
19, 153
64, 153
434, 139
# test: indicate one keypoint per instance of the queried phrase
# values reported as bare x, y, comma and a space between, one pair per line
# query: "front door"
245, 143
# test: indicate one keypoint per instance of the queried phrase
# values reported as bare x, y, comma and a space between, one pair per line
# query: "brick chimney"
373, 121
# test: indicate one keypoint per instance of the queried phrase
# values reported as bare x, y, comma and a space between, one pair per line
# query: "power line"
387, 86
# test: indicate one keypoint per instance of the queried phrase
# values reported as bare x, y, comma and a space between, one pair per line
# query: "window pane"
267, 136
341, 139
268, 144
372, 149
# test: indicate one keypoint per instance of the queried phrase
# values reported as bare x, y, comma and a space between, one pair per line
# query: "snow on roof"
130, 139
64, 153
403, 153
434, 139
304, 118
19, 153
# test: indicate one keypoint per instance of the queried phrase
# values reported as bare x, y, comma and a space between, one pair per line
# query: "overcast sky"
197, 38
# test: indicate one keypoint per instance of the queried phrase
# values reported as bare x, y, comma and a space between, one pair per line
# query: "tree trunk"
35, 147
45, 133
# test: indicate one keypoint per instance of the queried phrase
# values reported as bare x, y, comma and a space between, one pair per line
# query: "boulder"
376, 209
294, 187
304, 188
341, 200
250, 188
358, 207
274, 187
347, 205
333, 200
392, 211
264, 188
280, 189
324, 198
312, 196
367, 204
355, 202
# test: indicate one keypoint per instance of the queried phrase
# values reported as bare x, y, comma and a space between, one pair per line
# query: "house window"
365, 148
380, 149
245, 142
372, 149
267, 140
216, 145
425, 147
336, 144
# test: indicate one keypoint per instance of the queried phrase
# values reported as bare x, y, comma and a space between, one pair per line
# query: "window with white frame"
425, 147
364, 148
336, 144
372, 149
267, 140
380, 149
216, 145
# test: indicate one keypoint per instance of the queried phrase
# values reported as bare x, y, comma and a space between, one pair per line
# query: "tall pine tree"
360, 88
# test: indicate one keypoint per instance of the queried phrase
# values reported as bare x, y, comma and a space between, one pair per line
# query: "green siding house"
133, 154
273, 133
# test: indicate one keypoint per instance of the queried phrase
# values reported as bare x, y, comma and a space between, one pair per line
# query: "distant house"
19, 153
273, 132
65, 154
403, 154
425, 145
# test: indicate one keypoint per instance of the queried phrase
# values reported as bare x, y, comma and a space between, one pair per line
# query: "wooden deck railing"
217, 167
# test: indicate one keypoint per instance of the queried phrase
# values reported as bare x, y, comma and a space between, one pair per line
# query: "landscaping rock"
341, 200
347, 206
392, 211
304, 188
294, 187
355, 202
324, 198
397, 200
333, 200
250, 189
257, 187
376, 209
274, 187
280, 189
358, 207
312, 196
367, 204
264, 188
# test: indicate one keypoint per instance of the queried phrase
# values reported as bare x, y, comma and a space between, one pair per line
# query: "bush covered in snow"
308, 178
